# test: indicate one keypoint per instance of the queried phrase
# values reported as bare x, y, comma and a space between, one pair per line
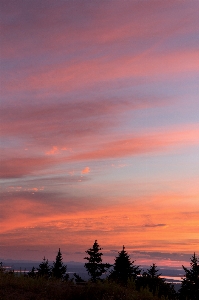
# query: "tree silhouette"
155, 283
152, 272
2, 269
32, 273
78, 279
190, 284
94, 266
152, 279
44, 269
123, 268
59, 269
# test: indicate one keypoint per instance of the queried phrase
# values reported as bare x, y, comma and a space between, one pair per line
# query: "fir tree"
94, 266
152, 279
123, 268
78, 279
32, 273
59, 269
190, 284
44, 269
2, 269
157, 285
152, 272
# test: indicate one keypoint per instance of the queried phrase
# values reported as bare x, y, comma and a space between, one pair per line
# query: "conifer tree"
78, 279
152, 279
32, 273
94, 266
44, 269
2, 269
59, 269
123, 268
152, 272
155, 283
190, 284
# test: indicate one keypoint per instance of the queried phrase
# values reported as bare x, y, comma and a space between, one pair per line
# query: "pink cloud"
72, 73
98, 24
103, 48
18, 167
67, 77
64, 124
158, 141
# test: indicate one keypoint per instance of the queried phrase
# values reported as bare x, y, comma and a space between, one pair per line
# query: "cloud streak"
99, 126
151, 143
62, 119
158, 142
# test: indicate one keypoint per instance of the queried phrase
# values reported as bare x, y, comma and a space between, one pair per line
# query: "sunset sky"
99, 129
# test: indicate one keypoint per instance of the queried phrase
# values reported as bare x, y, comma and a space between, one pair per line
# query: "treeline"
122, 273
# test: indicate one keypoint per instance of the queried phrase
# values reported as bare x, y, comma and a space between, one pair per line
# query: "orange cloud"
138, 220
164, 222
53, 151
86, 170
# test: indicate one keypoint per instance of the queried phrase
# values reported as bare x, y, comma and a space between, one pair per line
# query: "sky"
99, 124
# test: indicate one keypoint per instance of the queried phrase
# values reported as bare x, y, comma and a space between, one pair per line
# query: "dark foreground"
25, 288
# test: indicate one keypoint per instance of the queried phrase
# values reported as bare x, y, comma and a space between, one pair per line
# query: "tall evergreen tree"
152, 279
59, 269
44, 269
190, 284
94, 266
124, 268
157, 285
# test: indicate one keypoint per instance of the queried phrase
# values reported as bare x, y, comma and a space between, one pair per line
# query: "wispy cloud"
21, 166
155, 225
99, 126
156, 142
